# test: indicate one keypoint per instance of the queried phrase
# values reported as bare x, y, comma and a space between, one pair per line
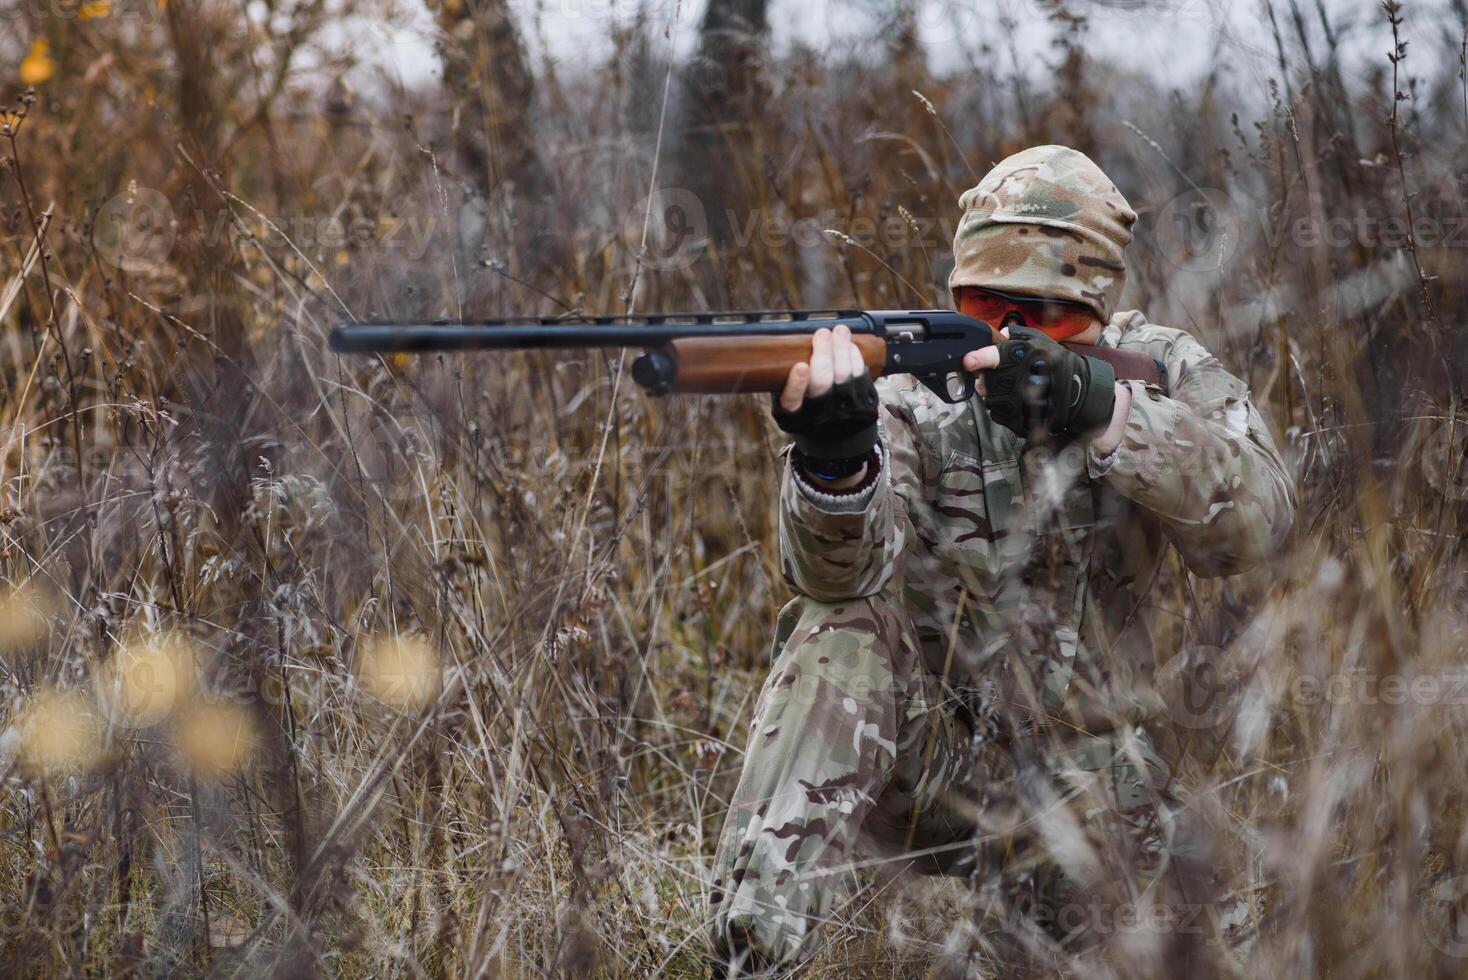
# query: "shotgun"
729, 353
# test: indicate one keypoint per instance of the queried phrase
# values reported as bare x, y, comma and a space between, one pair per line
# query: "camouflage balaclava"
1045, 222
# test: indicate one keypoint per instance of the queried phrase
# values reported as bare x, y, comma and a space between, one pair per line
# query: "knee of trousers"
855, 647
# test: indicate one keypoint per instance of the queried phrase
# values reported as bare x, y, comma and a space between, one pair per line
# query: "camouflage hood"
1045, 222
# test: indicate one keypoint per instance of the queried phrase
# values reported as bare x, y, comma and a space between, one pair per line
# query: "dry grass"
457, 655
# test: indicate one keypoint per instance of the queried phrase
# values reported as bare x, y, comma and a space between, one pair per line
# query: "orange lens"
1059, 320
984, 306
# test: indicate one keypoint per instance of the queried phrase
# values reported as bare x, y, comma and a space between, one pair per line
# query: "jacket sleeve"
1203, 462
834, 548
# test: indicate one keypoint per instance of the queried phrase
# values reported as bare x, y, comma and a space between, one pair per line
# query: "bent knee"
876, 615
852, 646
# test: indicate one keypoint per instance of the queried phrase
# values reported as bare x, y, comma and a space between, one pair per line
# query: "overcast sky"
1175, 38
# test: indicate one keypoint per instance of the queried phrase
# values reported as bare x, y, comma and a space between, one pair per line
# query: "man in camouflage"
961, 684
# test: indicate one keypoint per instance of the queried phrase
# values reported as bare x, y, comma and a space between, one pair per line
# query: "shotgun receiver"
728, 353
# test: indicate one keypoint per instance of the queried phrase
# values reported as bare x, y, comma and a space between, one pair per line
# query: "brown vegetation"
455, 655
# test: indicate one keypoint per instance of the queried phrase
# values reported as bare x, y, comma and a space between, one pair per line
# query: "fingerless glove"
835, 431
1040, 387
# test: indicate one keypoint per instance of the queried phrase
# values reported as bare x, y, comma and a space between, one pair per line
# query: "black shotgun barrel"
652, 330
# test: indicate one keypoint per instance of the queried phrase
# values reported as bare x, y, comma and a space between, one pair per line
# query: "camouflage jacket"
993, 549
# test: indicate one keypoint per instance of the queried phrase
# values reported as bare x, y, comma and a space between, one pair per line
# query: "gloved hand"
836, 426
834, 418
1042, 389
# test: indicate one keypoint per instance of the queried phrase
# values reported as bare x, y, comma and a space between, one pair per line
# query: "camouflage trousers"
859, 747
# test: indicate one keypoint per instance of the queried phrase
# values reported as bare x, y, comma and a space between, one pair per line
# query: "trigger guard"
938, 385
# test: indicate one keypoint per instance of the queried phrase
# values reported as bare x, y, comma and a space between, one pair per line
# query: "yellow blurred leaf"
24, 619
402, 671
94, 10
143, 682
38, 64
216, 739
59, 732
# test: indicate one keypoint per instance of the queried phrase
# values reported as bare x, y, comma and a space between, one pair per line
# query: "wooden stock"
719, 366
1129, 365
715, 366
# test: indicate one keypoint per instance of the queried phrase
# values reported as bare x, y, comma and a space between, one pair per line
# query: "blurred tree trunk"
492, 91
208, 255
1075, 101
722, 91
904, 48
220, 382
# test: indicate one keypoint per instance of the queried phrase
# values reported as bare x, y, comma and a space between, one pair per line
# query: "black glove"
834, 432
1042, 389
